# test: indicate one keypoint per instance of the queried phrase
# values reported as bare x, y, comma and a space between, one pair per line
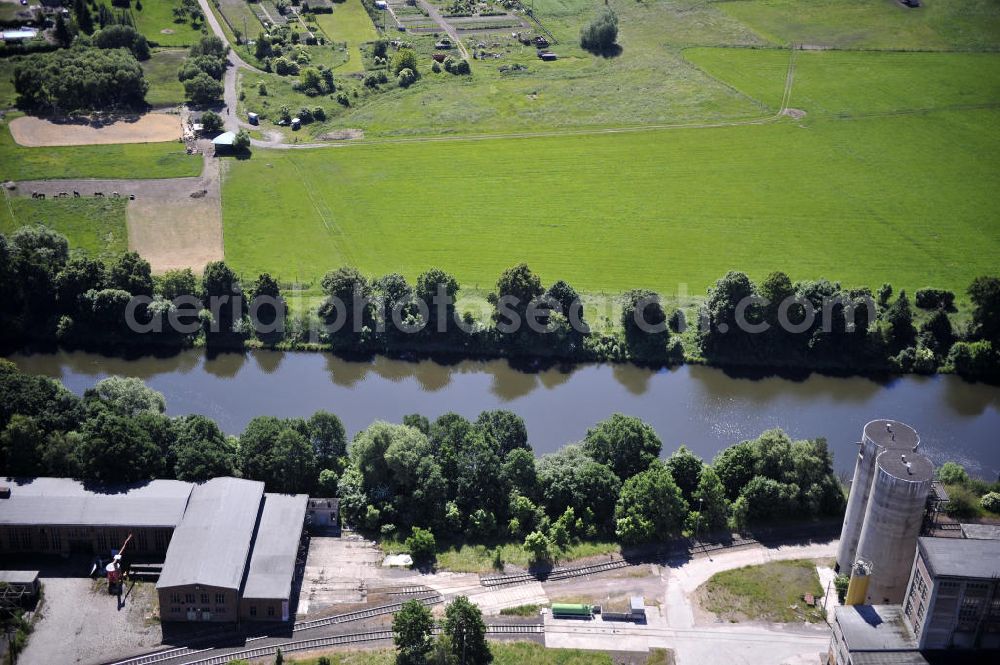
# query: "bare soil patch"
343, 135
794, 113
148, 128
180, 228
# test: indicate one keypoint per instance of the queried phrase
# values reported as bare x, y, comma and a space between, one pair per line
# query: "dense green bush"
600, 34
991, 502
80, 79
929, 298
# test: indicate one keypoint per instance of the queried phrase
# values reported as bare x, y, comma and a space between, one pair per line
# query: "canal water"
701, 407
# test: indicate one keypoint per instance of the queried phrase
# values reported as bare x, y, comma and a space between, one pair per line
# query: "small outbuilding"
253, 118
637, 608
21, 583
224, 142
296, 123
547, 56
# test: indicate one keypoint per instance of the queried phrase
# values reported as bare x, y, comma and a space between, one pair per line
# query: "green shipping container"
571, 609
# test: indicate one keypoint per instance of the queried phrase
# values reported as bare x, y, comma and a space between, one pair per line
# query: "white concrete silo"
876, 437
892, 522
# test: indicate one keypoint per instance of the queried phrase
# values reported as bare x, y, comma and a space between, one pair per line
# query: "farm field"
97, 226
825, 196
134, 160
873, 24
161, 72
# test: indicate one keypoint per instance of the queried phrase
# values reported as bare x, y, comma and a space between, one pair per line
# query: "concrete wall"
261, 609
197, 603
889, 534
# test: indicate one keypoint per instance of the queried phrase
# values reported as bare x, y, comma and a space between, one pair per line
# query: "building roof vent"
4, 491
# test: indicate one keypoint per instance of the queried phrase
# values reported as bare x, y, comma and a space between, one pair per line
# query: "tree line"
876, 332
56, 295
450, 477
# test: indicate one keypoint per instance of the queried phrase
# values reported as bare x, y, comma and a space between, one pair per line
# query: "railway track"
342, 640
570, 572
170, 655
432, 598
554, 575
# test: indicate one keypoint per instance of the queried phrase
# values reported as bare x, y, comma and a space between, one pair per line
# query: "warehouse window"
204, 599
175, 598
189, 598
220, 610
270, 610
220, 599
253, 610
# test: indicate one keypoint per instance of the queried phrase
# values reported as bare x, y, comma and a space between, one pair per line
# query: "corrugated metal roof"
272, 564
961, 557
67, 502
211, 544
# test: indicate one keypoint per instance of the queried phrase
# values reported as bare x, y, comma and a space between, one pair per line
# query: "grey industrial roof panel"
67, 502
272, 564
211, 544
961, 557
908, 466
892, 434
981, 531
874, 628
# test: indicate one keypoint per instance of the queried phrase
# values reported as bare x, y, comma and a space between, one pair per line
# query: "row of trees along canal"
450, 478
54, 295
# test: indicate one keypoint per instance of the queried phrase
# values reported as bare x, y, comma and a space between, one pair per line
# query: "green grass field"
156, 21
873, 24
161, 72
349, 23
132, 160
97, 226
826, 196
766, 593
7, 95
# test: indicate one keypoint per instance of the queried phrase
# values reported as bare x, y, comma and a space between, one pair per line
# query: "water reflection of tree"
224, 364
268, 361
144, 366
346, 373
633, 378
508, 383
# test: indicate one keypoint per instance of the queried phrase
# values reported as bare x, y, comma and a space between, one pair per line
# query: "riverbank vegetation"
78, 300
969, 497
446, 481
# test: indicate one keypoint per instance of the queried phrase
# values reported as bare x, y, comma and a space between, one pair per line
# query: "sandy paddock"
149, 128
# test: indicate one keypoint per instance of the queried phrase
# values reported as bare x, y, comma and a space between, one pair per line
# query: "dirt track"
149, 128
168, 226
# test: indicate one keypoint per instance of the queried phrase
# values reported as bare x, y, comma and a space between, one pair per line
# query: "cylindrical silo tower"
892, 522
876, 437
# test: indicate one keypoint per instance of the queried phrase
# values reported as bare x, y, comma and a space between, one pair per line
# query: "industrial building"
951, 613
231, 551
885, 510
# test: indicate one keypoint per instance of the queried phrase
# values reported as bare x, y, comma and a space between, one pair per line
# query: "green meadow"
96, 226
938, 25
882, 180
161, 73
